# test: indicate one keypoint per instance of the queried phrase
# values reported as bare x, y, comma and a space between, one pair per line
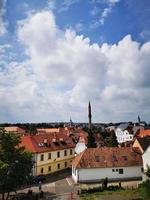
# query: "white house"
95, 164
146, 158
123, 134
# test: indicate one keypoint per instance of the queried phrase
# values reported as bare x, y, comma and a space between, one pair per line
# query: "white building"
80, 147
146, 158
95, 164
123, 134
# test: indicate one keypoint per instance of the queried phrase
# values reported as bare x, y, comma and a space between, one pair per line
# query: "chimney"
45, 141
54, 140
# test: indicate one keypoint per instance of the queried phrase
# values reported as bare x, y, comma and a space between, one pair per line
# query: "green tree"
91, 139
31, 129
112, 140
15, 164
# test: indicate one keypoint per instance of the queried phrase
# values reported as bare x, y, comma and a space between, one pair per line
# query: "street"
63, 189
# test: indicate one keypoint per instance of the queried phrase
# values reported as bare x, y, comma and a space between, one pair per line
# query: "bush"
146, 185
91, 190
113, 187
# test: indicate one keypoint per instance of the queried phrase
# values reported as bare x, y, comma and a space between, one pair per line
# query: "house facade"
95, 164
51, 152
146, 159
122, 133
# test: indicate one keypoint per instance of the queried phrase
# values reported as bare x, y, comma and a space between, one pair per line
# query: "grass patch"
129, 194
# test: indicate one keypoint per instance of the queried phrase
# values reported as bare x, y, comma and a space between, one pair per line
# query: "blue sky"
57, 55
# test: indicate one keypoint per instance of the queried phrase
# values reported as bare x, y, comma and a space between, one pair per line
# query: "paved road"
63, 189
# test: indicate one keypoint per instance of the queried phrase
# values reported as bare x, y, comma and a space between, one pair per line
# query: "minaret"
139, 120
90, 116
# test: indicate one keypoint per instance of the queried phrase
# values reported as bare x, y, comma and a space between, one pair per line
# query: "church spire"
90, 116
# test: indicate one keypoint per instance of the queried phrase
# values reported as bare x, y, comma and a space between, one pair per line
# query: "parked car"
40, 178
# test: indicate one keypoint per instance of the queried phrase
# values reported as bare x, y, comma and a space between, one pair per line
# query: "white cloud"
66, 4
109, 5
64, 71
3, 24
113, 1
145, 34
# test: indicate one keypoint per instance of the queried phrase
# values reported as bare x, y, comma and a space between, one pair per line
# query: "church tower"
139, 119
90, 116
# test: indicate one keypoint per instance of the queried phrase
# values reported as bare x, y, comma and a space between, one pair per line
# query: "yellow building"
14, 129
51, 152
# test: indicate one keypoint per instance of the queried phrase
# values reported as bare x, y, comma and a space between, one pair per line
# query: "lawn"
135, 194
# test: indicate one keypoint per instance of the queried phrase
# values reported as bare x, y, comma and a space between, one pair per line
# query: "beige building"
14, 129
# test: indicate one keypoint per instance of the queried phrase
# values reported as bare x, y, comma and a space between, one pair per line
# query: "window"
114, 158
42, 170
65, 153
58, 154
116, 170
142, 170
120, 171
65, 164
56, 143
42, 157
49, 156
113, 170
49, 168
97, 158
125, 157
58, 166
70, 151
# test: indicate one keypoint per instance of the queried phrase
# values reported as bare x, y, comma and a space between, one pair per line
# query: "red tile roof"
46, 142
107, 157
143, 133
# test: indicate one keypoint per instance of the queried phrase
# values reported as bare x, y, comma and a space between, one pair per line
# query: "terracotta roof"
27, 142
143, 133
46, 142
107, 157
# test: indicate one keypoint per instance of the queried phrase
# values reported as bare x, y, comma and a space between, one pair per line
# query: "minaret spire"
90, 116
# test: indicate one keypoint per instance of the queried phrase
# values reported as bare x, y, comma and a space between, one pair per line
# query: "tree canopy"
91, 139
112, 140
15, 163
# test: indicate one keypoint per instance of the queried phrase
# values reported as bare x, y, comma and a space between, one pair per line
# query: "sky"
57, 55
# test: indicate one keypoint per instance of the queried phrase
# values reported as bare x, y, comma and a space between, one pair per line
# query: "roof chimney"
45, 141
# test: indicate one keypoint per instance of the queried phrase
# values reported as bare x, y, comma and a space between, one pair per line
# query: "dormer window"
97, 158
125, 157
114, 158
63, 142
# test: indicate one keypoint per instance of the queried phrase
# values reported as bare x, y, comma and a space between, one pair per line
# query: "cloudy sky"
57, 55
